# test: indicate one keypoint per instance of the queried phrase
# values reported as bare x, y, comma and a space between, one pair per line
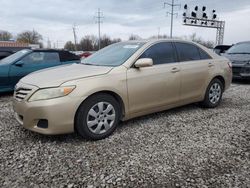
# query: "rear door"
195, 64
33, 62
156, 86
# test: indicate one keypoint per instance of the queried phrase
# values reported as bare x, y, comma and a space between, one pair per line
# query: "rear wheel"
213, 94
97, 117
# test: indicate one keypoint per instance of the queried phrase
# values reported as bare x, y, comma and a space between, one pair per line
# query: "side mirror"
19, 64
144, 62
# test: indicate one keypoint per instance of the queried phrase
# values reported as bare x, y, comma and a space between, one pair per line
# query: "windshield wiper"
86, 63
92, 64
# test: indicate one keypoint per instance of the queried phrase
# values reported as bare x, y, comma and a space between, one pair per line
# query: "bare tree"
31, 37
195, 38
69, 46
159, 37
87, 43
90, 42
5, 36
134, 37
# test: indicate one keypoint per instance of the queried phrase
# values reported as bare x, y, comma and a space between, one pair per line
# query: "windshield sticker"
131, 46
24, 51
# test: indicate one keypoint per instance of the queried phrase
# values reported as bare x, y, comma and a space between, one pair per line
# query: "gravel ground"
183, 147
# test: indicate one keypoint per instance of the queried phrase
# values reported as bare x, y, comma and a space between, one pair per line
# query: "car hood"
54, 77
238, 58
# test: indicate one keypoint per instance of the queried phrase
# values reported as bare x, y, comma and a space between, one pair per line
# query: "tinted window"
67, 56
41, 57
187, 52
14, 57
204, 55
161, 53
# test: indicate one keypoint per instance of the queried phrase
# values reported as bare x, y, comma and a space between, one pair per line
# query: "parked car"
4, 54
8, 48
120, 82
85, 54
221, 49
18, 65
239, 55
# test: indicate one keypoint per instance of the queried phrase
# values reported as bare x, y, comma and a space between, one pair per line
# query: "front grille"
21, 93
237, 70
247, 70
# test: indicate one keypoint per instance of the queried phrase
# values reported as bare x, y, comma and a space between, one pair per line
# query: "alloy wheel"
215, 93
101, 117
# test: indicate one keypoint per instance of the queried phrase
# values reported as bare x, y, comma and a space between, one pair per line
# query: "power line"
99, 18
172, 5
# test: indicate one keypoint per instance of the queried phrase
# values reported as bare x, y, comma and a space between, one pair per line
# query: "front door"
156, 86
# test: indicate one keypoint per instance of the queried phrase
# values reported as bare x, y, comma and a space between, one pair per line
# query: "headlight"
51, 93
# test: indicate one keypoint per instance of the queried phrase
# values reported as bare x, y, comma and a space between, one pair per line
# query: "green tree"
5, 36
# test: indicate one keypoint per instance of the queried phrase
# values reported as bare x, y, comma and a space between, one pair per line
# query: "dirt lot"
186, 147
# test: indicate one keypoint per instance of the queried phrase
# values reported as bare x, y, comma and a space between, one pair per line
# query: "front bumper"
59, 113
241, 72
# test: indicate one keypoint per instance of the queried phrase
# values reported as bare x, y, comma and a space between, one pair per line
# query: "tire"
213, 94
97, 117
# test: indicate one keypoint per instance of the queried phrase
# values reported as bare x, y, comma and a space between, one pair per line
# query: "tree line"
30, 37
90, 42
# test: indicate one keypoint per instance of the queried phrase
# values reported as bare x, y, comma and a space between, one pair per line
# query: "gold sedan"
120, 82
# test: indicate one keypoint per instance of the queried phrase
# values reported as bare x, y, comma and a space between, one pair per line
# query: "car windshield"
241, 48
113, 55
14, 57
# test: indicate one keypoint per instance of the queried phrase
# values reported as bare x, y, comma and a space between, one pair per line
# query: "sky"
54, 19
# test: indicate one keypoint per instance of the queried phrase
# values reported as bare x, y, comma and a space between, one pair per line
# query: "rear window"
67, 56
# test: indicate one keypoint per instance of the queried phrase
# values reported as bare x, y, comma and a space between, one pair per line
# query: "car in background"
4, 54
21, 63
239, 55
85, 54
120, 82
221, 49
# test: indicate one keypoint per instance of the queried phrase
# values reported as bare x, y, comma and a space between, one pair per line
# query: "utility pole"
172, 5
99, 18
74, 33
48, 43
159, 30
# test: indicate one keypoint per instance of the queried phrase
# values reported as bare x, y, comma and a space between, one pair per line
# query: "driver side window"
33, 58
161, 53
41, 57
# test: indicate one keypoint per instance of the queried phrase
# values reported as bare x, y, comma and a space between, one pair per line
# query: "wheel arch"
222, 79
116, 96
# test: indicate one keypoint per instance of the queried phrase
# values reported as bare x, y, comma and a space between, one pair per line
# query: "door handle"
175, 69
210, 64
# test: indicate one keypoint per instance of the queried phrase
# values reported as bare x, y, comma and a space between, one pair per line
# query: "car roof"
48, 50
243, 42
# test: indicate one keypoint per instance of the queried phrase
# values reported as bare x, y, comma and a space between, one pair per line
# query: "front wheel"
213, 94
97, 117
